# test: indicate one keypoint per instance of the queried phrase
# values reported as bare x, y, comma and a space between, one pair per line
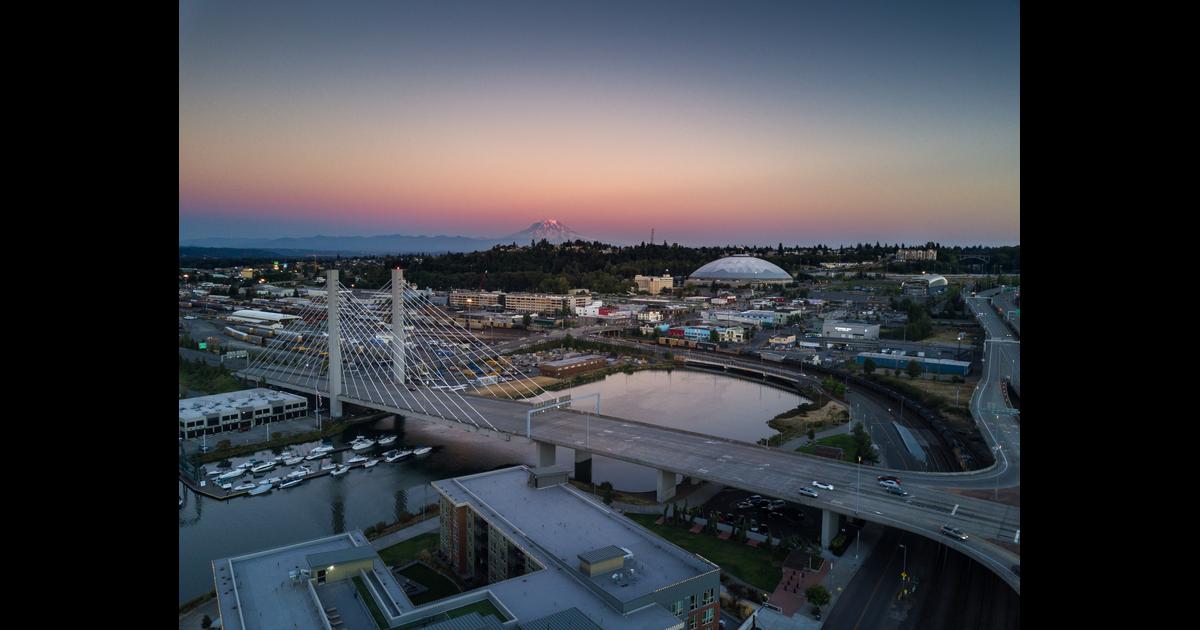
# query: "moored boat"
260, 489
289, 484
233, 474
424, 450
270, 482
370, 463
357, 459
292, 461
362, 445
329, 465
341, 470
385, 441
245, 486
261, 468
398, 455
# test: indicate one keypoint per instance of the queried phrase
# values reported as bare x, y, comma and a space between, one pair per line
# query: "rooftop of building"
740, 267
255, 591
569, 361
263, 315
201, 406
557, 524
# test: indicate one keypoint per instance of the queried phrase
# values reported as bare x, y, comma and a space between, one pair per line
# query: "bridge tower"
398, 349
335, 345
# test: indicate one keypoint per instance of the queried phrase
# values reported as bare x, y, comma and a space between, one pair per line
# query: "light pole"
905, 569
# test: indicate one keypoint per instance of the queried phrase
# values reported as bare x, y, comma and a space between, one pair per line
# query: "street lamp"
996, 492
905, 569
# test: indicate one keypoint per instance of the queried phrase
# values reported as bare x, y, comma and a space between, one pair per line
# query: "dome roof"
741, 267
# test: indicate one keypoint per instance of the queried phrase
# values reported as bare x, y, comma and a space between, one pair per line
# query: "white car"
808, 492
888, 483
825, 486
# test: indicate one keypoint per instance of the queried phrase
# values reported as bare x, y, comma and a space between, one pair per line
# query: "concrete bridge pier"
546, 452
583, 466
335, 344
666, 485
829, 527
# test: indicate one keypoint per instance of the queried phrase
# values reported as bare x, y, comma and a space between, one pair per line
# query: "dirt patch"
832, 414
1007, 496
515, 390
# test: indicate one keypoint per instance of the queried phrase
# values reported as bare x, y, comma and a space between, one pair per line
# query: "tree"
714, 336
817, 595
525, 319
868, 366
811, 434
913, 368
206, 622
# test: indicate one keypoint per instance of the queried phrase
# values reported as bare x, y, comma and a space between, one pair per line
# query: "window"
708, 615
692, 601
692, 622
677, 608
708, 597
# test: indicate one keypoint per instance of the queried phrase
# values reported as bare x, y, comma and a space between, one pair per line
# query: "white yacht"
362, 445
300, 472
292, 461
261, 468
370, 463
341, 470
233, 474
329, 465
397, 456
422, 450
289, 484
357, 459
270, 482
386, 441
245, 486
260, 489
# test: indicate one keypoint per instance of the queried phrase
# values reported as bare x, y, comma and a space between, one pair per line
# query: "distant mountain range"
550, 229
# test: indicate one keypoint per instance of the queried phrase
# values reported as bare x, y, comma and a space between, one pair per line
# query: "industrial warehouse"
571, 365
900, 362
206, 415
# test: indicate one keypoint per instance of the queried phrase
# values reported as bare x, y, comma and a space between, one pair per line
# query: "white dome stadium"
740, 268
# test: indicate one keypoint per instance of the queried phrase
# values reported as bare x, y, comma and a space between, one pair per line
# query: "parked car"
776, 504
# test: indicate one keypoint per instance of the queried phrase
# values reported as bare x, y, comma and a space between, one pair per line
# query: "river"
696, 401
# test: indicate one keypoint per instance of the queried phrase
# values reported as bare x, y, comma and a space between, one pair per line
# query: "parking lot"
788, 519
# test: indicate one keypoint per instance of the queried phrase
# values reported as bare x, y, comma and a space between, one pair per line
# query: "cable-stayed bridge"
394, 350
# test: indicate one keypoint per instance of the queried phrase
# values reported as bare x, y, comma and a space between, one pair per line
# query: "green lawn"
439, 585
365, 595
845, 442
753, 565
403, 552
484, 608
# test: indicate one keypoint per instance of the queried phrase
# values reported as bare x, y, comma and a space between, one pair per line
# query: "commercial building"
487, 319
237, 410
261, 318
545, 303
916, 254
475, 299
542, 547
849, 330
571, 365
900, 362
740, 269
924, 286
650, 316
654, 284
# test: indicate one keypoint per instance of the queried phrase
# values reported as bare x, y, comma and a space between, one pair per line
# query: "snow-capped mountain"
550, 229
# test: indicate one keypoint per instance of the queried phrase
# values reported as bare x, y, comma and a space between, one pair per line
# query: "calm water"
696, 401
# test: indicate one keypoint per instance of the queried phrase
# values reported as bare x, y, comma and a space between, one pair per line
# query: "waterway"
696, 401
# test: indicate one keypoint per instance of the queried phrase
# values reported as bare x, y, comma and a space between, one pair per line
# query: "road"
770, 472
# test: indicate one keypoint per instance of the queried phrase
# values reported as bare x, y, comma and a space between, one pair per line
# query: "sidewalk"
412, 531
794, 443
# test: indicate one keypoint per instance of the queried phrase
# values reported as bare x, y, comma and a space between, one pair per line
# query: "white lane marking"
954, 510
1017, 538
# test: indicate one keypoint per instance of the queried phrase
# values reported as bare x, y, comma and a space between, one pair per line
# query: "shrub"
206, 622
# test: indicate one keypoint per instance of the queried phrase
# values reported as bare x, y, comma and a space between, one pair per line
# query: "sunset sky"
712, 122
